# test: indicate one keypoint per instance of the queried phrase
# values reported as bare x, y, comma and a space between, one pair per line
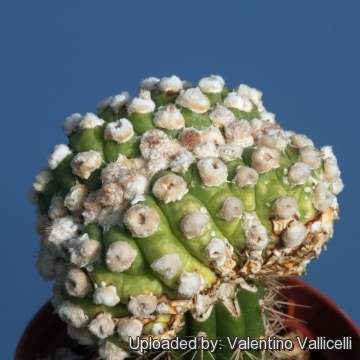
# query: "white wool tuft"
142, 305
213, 171
42, 178
189, 284
264, 159
238, 132
74, 199
61, 231
337, 186
133, 184
288, 133
205, 149
92, 208
90, 121
157, 329
170, 188
141, 220
136, 199
294, 234
316, 226
154, 166
215, 250
111, 194
84, 163
323, 197
257, 238
327, 153
102, 326
331, 170
211, 84
120, 256
194, 100
310, 156
220, 78
155, 145
106, 295
214, 135
71, 124
267, 116
162, 308
103, 104
256, 126
189, 138
142, 104
149, 83
90, 216
299, 173
45, 263
72, 314
285, 207
57, 208
129, 328
276, 141
84, 251
246, 176
300, 140
109, 351
77, 283
221, 116
167, 265
231, 209
169, 117
110, 216
237, 101
120, 131
186, 84
194, 224
172, 83
114, 170
182, 162
253, 94
229, 152
119, 100
59, 153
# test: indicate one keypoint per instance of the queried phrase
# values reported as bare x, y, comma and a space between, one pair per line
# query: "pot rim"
54, 329
296, 282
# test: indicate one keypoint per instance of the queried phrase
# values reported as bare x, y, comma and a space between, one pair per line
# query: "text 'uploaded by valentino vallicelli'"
272, 343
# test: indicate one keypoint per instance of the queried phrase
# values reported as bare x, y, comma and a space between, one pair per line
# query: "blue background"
57, 58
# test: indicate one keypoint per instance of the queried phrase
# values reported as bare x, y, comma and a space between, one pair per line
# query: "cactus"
171, 215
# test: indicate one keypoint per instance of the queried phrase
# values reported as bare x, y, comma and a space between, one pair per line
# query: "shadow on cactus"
169, 216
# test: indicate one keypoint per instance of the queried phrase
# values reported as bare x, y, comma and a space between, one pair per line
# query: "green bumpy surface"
89, 205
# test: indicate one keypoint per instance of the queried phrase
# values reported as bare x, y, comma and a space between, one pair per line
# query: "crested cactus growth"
168, 214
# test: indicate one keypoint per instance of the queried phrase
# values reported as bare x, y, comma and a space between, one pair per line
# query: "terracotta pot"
45, 332
320, 316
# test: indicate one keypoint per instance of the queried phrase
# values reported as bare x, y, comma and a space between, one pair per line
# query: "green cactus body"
166, 213
224, 327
